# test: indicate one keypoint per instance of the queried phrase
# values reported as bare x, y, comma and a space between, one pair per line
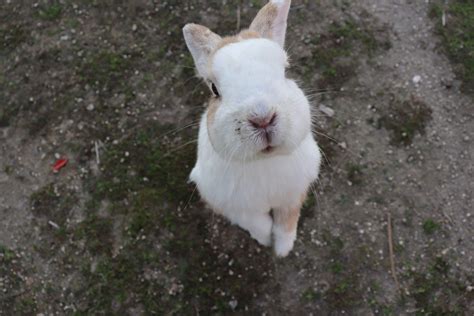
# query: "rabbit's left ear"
270, 21
201, 42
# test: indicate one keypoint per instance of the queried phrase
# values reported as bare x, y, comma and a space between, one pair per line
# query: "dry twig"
390, 249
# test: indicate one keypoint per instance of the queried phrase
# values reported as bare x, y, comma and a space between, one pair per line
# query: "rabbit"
256, 156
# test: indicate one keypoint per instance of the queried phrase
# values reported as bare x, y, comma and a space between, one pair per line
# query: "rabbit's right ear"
271, 20
201, 41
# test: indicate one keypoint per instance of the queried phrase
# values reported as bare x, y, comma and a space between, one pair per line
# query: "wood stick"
390, 249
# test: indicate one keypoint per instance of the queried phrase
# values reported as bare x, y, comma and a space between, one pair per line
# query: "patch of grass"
307, 211
430, 226
438, 291
333, 53
144, 178
146, 161
118, 279
354, 173
25, 306
8, 169
336, 267
14, 300
12, 36
51, 12
105, 69
310, 295
6, 254
458, 37
97, 232
54, 202
405, 119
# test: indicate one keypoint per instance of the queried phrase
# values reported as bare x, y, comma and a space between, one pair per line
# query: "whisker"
178, 129
179, 147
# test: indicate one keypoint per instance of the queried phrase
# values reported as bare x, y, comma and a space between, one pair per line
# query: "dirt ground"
110, 86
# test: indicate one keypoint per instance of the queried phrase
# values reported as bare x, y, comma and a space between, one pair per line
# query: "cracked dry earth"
119, 230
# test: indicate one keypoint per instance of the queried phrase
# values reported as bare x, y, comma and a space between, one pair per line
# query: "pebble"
90, 107
233, 304
326, 110
416, 79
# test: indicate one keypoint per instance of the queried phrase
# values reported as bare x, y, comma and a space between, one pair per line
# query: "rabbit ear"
201, 41
270, 21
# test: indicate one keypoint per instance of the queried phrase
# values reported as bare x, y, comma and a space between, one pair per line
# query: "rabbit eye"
214, 90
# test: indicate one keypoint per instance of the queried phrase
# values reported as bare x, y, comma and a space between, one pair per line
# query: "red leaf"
59, 164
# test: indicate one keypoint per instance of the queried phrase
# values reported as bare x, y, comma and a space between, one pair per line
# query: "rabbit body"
256, 151
245, 192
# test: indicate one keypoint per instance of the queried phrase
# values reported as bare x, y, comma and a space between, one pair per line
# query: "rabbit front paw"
283, 242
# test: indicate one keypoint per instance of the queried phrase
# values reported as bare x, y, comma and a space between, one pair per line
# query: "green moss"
54, 202
438, 291
6, 255
310, 295
145, 161
25, 306
354, 173
51, 12
12, 36
333, 52
336, 267
458, 37
405, 119
105, 69
430, 226
97, 232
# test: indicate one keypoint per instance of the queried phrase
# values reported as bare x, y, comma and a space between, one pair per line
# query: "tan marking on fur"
202, 36
263, 22
287, 218
214, 103
243, 35
303, 197
211, 111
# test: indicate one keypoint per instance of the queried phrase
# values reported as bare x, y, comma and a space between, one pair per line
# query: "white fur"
245, 192
235, 173
283, 240
250, 76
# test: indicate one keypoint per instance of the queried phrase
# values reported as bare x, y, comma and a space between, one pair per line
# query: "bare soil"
110, 86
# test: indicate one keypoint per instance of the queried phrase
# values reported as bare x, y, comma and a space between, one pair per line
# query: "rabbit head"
255, 111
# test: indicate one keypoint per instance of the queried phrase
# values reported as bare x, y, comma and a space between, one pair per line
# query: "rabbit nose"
263, 122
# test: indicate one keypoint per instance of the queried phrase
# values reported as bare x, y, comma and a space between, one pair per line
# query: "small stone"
90, 107
134, 27
416, 79
233, 304
326, 110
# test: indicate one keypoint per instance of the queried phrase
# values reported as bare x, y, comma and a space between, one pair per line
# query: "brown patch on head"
243, 35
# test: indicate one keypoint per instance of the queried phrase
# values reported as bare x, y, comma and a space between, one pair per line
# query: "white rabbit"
256, 151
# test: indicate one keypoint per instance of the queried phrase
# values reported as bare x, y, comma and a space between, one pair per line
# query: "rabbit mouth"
268, 149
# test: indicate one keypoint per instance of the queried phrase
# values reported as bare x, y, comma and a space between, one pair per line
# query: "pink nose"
263, 122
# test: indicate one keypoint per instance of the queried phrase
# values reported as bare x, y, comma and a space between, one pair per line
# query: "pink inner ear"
279, 25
